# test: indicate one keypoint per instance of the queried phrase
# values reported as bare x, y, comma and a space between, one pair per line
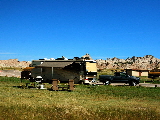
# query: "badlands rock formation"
13, 63
147, 62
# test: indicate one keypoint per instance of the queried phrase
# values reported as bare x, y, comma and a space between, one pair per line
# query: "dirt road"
141, 84
10, 73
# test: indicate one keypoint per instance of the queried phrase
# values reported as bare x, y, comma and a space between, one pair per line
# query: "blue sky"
33, 29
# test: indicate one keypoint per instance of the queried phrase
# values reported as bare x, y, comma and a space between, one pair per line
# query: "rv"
81, 70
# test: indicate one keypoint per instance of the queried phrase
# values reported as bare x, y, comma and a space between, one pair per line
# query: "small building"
137, 72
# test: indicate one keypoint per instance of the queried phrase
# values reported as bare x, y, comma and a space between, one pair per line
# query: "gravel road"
141, 84
10, 73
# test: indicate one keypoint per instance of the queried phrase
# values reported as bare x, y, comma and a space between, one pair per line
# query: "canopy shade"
54, 64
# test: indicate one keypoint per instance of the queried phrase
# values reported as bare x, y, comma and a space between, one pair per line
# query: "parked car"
119, 77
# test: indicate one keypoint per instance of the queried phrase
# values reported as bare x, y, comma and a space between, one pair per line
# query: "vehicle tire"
107, 82
81, 82
93, 81
132, 83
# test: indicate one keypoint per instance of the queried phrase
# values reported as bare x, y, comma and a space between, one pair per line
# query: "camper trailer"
81, 70
155, 73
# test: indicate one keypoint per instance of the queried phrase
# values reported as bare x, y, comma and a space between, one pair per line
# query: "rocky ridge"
147, 62
14, 63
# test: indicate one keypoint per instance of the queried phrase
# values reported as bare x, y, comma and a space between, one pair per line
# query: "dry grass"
84, 103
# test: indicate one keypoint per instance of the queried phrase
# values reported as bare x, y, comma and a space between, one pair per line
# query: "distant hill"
14, 63
147, 62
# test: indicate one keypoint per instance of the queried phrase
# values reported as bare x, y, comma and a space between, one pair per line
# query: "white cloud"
7, 53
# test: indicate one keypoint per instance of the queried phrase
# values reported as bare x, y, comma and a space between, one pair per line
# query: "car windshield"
123, 74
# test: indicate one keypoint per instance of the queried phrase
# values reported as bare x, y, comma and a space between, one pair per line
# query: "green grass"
149, 80
84, 103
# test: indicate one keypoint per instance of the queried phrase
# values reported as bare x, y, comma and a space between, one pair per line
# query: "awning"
54, 64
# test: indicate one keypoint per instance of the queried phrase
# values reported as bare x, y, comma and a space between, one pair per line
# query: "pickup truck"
119, 77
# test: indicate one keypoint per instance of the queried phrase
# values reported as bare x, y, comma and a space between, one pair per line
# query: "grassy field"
84, 103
